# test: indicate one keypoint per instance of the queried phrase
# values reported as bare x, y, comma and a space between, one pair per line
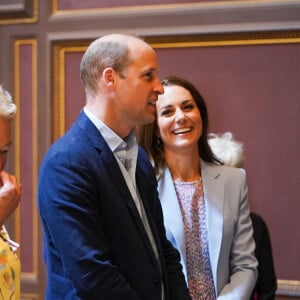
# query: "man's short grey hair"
7, 107
101, 54
228, 150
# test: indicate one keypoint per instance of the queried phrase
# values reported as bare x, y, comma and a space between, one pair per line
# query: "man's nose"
159, 89
2, 161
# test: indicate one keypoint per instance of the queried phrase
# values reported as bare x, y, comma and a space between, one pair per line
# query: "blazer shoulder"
211, 169
77, 146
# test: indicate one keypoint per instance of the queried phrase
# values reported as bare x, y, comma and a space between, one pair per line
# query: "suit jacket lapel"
147, 197
116, 177
214, 202
119, 182
106, 155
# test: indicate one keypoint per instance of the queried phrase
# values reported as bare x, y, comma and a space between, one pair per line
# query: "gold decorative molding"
188, 17
59, 51
134, 8
31, 276
288, 288
29, 296
226, 43
218, 40
29, 14
166, 6
17, 133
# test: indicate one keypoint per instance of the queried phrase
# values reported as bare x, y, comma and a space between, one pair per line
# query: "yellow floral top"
10, 268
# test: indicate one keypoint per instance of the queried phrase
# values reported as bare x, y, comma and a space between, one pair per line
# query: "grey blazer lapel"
214, 202
172, 213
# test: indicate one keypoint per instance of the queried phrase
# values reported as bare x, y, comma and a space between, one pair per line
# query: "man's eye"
149, 75
3, 151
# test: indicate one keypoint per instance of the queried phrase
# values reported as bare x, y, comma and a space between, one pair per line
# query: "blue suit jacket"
231, 245
95, 244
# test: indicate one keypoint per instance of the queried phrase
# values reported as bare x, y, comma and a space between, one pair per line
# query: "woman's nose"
179, 116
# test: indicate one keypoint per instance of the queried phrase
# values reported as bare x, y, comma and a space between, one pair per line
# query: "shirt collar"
123, 148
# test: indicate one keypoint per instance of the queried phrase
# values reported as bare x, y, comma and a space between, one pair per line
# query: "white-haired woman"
10, 194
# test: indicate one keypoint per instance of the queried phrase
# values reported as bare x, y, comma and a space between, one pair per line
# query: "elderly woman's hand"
10, 195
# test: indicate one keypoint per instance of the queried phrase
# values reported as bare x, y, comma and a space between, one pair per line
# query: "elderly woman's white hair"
228, 150
7, 107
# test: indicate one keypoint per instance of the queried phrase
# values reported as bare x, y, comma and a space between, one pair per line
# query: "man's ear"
108, 76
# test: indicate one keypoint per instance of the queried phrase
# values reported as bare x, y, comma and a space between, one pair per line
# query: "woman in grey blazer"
205, 204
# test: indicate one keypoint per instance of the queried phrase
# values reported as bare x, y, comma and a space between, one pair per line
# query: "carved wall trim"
29, 296
204, 17
59, 50
288, 288
25, 11
21, 70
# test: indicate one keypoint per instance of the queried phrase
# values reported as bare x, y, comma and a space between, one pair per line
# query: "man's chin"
149, 120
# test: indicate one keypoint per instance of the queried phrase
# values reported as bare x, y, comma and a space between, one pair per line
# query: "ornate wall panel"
182, 17
18, 11
66, 85
251, 85
25, 53
92, 4
26, 296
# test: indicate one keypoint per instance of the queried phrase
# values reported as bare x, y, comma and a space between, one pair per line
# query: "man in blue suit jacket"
97, 194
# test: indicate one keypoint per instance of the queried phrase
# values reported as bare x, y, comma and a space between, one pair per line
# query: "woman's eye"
189, 106
165, 112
